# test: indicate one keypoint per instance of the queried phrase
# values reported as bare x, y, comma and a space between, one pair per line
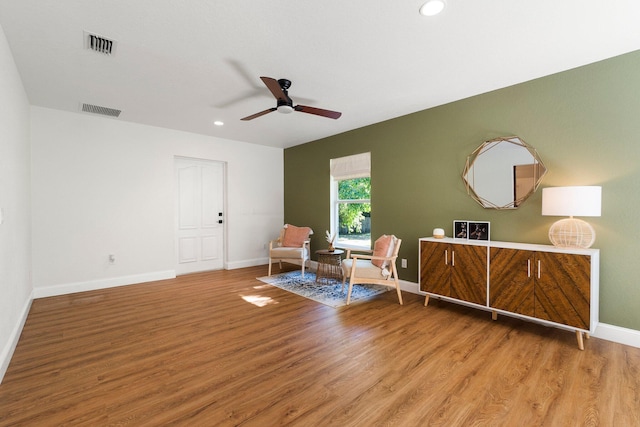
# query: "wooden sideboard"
542, 283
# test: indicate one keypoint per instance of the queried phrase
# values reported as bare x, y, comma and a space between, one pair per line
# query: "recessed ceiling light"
218, 123
432, 7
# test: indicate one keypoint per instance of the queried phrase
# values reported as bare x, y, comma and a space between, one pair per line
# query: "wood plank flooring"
224, 349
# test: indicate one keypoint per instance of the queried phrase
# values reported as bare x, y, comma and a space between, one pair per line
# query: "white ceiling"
184, 64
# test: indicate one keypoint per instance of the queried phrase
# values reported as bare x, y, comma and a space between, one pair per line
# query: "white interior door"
199, 215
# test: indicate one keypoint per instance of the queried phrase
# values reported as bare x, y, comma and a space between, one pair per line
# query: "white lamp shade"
572, 201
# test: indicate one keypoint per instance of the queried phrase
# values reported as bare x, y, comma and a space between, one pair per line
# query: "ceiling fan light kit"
432, 7
279, 89
285, 109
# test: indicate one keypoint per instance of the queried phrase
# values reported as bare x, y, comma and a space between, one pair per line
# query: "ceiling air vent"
111, 112
99, 44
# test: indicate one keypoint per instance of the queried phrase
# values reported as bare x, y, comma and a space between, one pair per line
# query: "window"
351, 201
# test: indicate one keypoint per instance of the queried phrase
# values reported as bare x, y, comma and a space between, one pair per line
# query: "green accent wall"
584, 123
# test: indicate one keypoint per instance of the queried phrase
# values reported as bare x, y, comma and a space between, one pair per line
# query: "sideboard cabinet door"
454, 270
562, 290
469, 273
511, 279
545, 285
435, 261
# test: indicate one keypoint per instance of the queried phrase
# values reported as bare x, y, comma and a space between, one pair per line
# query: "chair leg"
303, 262
269, 274
351, 278
399, 292
394, 273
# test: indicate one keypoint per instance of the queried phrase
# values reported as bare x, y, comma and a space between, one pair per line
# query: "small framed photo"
460, 229
478, 230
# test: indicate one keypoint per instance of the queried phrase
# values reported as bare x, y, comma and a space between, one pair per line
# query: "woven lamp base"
572, 233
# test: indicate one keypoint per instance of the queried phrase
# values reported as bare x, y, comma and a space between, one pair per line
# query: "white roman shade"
349, 167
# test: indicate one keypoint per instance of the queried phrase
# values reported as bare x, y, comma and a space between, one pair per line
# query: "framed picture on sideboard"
478, 230
460, 229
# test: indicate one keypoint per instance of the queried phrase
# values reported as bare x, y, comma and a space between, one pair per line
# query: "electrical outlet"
403, 263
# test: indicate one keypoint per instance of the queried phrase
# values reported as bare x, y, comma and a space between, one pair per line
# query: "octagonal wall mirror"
502, 173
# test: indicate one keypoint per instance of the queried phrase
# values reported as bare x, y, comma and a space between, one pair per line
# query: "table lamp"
572, 201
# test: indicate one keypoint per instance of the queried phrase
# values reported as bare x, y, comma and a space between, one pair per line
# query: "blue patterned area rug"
328, 292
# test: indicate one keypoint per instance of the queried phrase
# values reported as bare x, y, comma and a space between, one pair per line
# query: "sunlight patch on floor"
258, 300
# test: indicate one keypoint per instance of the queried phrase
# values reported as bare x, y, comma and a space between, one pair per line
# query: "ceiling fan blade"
274, 87
261, 113
318, 111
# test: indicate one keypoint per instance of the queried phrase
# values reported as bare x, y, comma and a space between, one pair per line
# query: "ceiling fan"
285, 104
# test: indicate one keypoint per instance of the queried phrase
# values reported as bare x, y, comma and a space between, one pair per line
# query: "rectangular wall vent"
95, 109
99, 44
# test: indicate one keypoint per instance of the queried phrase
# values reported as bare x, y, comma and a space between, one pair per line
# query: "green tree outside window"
354, 207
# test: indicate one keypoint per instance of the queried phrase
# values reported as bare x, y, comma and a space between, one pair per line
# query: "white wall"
104, 186
15, 235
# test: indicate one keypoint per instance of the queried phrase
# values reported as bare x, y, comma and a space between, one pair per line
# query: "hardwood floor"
223, 348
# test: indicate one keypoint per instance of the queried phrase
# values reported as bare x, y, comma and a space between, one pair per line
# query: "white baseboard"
10, 347
409, 287
92, 285
246, 263
263, 261
618, 334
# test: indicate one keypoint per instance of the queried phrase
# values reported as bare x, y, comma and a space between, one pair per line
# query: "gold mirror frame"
500, 166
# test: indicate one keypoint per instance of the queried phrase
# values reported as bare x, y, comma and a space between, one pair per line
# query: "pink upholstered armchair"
378, 268
293, 245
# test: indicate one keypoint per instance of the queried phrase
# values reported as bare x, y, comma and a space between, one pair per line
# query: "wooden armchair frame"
370, 274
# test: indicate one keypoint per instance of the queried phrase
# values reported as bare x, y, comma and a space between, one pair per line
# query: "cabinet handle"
453, 258
529, 268
446, 257
538, 269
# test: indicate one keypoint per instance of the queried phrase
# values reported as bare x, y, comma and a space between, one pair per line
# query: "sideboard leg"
494, 315
580, 341
426, 300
